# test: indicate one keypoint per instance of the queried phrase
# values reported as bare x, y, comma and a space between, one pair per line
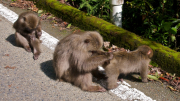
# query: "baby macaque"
76, 56
28, 32
127, 62
27, 23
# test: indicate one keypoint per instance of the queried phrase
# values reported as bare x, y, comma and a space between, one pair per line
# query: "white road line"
124, 90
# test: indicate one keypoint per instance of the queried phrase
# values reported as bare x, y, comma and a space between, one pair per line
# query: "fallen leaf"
152, 77
171, 88
9, 67
162, 78
69, 25
6, 54
9, 85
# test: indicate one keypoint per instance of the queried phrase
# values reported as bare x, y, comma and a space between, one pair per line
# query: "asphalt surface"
34, 80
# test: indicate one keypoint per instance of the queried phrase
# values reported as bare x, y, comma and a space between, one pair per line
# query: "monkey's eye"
87, 40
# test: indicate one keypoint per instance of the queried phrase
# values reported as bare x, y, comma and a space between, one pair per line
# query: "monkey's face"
146, 50
92, 44
31, 22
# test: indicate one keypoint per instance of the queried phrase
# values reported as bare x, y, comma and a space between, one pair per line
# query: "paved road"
31, 80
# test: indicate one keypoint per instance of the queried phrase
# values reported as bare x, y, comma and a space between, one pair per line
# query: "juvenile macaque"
28, 32
32, 41
76, 56
127, 62
27, 23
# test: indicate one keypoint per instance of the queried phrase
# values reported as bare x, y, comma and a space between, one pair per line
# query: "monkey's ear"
87, 40
149, 52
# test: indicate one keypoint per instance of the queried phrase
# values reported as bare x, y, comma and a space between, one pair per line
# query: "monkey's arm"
92, 62
98, 52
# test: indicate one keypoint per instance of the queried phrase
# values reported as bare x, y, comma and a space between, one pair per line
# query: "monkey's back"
129, 61
74, 48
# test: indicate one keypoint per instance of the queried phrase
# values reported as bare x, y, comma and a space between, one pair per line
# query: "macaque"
76, 56
127, 62
28, 43
28, 32
27, 23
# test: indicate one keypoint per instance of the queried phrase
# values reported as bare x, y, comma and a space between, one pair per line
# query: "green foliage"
99, 8
152, 19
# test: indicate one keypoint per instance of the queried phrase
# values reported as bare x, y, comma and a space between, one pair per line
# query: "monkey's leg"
143, 73
22, 41
61, 66
112, 74
35, 43
86, 84
38, 31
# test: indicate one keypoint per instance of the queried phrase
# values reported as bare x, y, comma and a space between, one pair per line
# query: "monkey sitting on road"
28, 32
76, 56
127, 62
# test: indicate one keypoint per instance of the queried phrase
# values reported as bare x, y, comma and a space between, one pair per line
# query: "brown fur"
28, 32
36, 44
127, 62
76, 56
27, 23
32, 41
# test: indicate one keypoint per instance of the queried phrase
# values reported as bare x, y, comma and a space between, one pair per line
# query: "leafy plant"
99, 8
152, 19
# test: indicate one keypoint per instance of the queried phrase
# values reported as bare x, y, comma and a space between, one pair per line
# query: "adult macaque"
28, 32
76, 56
127, 62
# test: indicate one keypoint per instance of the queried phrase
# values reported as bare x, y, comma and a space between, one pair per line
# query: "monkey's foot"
36, 56
144, 80
28, 49
102, 89
120, 80
96, 89
61, 80
112, 86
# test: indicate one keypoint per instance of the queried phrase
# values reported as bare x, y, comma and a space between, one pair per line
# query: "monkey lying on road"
127, 62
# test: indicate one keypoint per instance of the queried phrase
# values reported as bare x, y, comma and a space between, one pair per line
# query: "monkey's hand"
39, 34
98, 52
110, 55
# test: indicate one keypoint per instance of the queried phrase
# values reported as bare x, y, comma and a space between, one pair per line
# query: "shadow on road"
11, 39
131, 77
47, 68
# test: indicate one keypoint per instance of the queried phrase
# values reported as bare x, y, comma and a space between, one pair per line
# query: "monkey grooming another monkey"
28, 32
76, 56
127, 62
